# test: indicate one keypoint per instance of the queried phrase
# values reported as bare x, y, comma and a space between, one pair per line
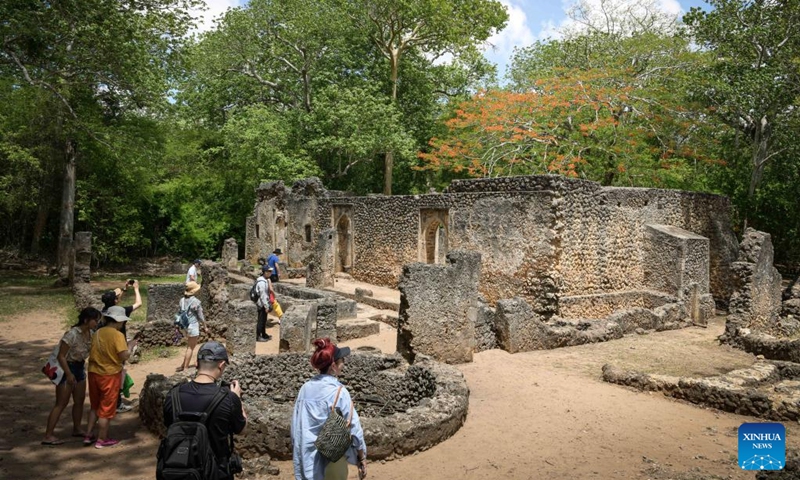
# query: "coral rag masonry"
762, 446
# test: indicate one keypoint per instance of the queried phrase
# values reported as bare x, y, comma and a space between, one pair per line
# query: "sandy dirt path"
532, 415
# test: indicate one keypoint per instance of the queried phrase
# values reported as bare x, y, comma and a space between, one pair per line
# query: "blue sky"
529, 20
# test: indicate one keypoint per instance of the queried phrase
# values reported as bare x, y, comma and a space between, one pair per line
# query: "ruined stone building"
568, 247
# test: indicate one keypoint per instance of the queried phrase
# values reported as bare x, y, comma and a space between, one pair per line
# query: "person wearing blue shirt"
272, 262
315, 401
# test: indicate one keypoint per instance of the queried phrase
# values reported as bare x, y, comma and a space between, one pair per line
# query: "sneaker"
88, 440
262, 339
124, 408
110, 442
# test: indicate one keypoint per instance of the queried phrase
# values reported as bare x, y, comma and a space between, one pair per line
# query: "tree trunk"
760, 155
41, 222
388, 164
65, 252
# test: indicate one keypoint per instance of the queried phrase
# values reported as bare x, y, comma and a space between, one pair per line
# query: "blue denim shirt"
310, 411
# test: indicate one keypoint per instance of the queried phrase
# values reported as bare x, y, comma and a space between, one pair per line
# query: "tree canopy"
116, 119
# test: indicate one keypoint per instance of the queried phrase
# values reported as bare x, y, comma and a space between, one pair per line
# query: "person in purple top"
272, 262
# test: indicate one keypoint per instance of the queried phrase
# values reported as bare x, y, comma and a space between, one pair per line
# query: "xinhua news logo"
762, 446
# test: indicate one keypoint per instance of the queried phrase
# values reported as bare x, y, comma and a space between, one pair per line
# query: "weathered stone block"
519, 328
296, 328
326, 320
757, 284
674, 258
434, 305
350, 329
483, 318
83, 258
163, 300
363, 292
242, 327
322, 267
230, 254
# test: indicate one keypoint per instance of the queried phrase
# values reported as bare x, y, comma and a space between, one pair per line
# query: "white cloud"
214, 8
662, 14
516, 33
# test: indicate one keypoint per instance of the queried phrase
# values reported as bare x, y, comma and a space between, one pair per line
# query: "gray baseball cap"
212, 351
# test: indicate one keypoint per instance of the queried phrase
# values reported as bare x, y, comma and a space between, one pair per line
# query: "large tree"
754, 83
97, 59
433, 27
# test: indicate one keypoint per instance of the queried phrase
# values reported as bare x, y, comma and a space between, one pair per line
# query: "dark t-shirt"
227, 418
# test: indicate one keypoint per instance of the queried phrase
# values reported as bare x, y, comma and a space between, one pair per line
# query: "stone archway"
435, 243
433, 236
344, 244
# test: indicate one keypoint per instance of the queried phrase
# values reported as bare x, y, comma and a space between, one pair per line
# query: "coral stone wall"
600, 230
403, 409
541, 237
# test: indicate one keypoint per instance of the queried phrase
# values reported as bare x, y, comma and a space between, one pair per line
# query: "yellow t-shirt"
106, 344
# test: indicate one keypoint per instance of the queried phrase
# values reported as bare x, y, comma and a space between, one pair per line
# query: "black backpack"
254, 292
185, 453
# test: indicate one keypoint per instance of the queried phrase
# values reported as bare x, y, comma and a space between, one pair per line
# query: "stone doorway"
280, 234
344, 242
433, 236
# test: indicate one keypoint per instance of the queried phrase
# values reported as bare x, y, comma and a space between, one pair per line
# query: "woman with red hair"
315, 401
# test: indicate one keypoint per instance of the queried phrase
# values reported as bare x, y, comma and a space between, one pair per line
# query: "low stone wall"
345, 308
520, 329
767, 389
769, 346
163, 301
403, 409
162, 334
602, 305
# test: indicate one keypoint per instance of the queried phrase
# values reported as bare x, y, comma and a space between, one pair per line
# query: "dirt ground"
540, 414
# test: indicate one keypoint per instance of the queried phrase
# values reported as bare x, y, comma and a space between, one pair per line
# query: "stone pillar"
327, 313
756, 299
215, 292
230, 254
241, 334
321, 268
435, 304
83, 258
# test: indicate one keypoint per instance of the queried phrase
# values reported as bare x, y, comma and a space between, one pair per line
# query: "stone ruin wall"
541, 237
599, 230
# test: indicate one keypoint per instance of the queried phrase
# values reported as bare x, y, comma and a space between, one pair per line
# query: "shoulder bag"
334, 438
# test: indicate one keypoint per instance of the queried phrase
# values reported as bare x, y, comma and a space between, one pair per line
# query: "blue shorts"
78, 370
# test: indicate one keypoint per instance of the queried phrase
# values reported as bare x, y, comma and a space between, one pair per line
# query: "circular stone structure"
403, 408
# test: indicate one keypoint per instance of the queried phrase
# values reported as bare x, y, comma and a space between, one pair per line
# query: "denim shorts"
193, 330
78, 370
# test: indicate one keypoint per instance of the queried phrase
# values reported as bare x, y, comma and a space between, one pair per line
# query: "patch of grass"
25, 293
159, 352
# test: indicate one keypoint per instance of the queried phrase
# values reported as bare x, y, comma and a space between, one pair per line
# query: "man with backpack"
201, 417
263, 295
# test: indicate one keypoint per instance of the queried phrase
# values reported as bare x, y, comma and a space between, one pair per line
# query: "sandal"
179, 369
88, 440
52, 443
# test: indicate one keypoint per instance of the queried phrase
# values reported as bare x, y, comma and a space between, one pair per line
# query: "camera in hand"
131, 281
235, 464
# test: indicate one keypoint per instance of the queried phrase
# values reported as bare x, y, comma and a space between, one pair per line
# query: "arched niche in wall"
342, 216
280, 233
433, 235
